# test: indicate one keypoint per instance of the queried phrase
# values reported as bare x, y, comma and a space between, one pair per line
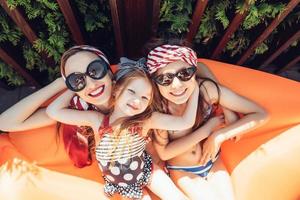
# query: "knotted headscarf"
166, 54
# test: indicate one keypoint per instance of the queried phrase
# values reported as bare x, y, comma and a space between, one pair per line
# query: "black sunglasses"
184, 74
97, 69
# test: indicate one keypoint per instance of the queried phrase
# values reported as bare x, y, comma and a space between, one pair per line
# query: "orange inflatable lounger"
264, 164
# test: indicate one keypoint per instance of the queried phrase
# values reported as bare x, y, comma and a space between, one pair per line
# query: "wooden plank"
234, 25
196, 19
136, 22
281, 49
117, 27
290, 64
291, 5
19, 20
11, 62
155, 17
67, 11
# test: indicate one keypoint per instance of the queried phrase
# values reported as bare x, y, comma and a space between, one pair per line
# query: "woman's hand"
216, 122
211, 147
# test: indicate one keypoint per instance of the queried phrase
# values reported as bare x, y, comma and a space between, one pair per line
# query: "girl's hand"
211, 147
216, 122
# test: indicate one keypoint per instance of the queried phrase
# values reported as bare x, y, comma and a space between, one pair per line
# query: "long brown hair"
78, 157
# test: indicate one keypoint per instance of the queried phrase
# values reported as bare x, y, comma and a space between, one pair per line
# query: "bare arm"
169, 149
26, 114
229, 116
171, 122
204, 71
254, 115
59, 111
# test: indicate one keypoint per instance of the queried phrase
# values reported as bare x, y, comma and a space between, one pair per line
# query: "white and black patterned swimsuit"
125, 165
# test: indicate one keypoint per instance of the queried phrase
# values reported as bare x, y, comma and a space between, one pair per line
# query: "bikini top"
127, 144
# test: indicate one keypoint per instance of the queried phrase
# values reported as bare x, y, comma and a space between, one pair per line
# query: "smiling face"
96, 92
134, 98
178, 91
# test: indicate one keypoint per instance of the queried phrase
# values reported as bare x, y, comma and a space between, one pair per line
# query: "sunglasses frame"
103, 63
175, 75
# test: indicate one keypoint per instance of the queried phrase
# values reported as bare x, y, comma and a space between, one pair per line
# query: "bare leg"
146, 195
220, 180
162, 186
194, 186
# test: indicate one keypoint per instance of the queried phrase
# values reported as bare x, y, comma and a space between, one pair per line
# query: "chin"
129, 114
100, 100
180, 100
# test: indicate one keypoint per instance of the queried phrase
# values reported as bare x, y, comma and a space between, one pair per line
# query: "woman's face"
96, 92
178, 91
135, 97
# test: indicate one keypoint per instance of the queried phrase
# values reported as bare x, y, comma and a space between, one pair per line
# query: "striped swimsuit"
125, 165
202, 170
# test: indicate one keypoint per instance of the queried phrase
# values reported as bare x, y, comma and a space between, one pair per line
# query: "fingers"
222, 119
205, 157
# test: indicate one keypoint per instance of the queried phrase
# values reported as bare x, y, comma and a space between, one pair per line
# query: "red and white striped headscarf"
165, 54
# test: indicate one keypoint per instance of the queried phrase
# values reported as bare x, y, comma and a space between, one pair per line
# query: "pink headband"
165, 54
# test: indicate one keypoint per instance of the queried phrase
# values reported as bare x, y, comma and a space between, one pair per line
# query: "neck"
104, 108
117, 115
176, 109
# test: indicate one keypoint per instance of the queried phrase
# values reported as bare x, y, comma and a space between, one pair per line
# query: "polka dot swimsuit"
125, 165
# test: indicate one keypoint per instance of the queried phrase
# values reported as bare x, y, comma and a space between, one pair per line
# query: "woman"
94, 95
192, 155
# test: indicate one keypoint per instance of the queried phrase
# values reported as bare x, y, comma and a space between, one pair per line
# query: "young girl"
122, 135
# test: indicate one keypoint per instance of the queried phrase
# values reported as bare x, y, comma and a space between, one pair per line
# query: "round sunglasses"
184, 74
97, 69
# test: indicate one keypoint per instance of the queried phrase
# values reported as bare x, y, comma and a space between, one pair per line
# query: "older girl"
192, 154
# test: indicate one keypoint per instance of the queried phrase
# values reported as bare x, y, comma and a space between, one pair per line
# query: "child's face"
135, 97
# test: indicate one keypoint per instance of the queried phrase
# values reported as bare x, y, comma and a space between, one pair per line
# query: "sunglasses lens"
164, 79
97, 69
186, 73
76, 81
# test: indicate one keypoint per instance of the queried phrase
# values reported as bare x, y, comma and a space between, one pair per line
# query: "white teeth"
178, 93
97, 91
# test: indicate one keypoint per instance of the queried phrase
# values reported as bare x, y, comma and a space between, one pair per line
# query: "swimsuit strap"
105, 127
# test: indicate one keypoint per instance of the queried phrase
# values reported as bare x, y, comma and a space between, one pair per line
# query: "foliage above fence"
216, 20
175, 18
54, 38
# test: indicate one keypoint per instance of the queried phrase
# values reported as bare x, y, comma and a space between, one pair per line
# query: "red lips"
97, 92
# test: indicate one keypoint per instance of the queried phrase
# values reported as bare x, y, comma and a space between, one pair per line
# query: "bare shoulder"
210, 90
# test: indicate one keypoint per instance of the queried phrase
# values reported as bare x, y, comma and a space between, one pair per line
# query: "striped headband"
165, 54
91, 49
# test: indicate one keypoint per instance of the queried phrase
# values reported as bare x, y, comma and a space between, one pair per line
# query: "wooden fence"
135, 21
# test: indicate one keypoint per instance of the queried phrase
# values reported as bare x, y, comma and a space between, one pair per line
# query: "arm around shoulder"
27, 114
59, 111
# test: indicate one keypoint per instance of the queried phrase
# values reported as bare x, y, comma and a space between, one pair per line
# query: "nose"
176, 83
90, 83
136, 102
